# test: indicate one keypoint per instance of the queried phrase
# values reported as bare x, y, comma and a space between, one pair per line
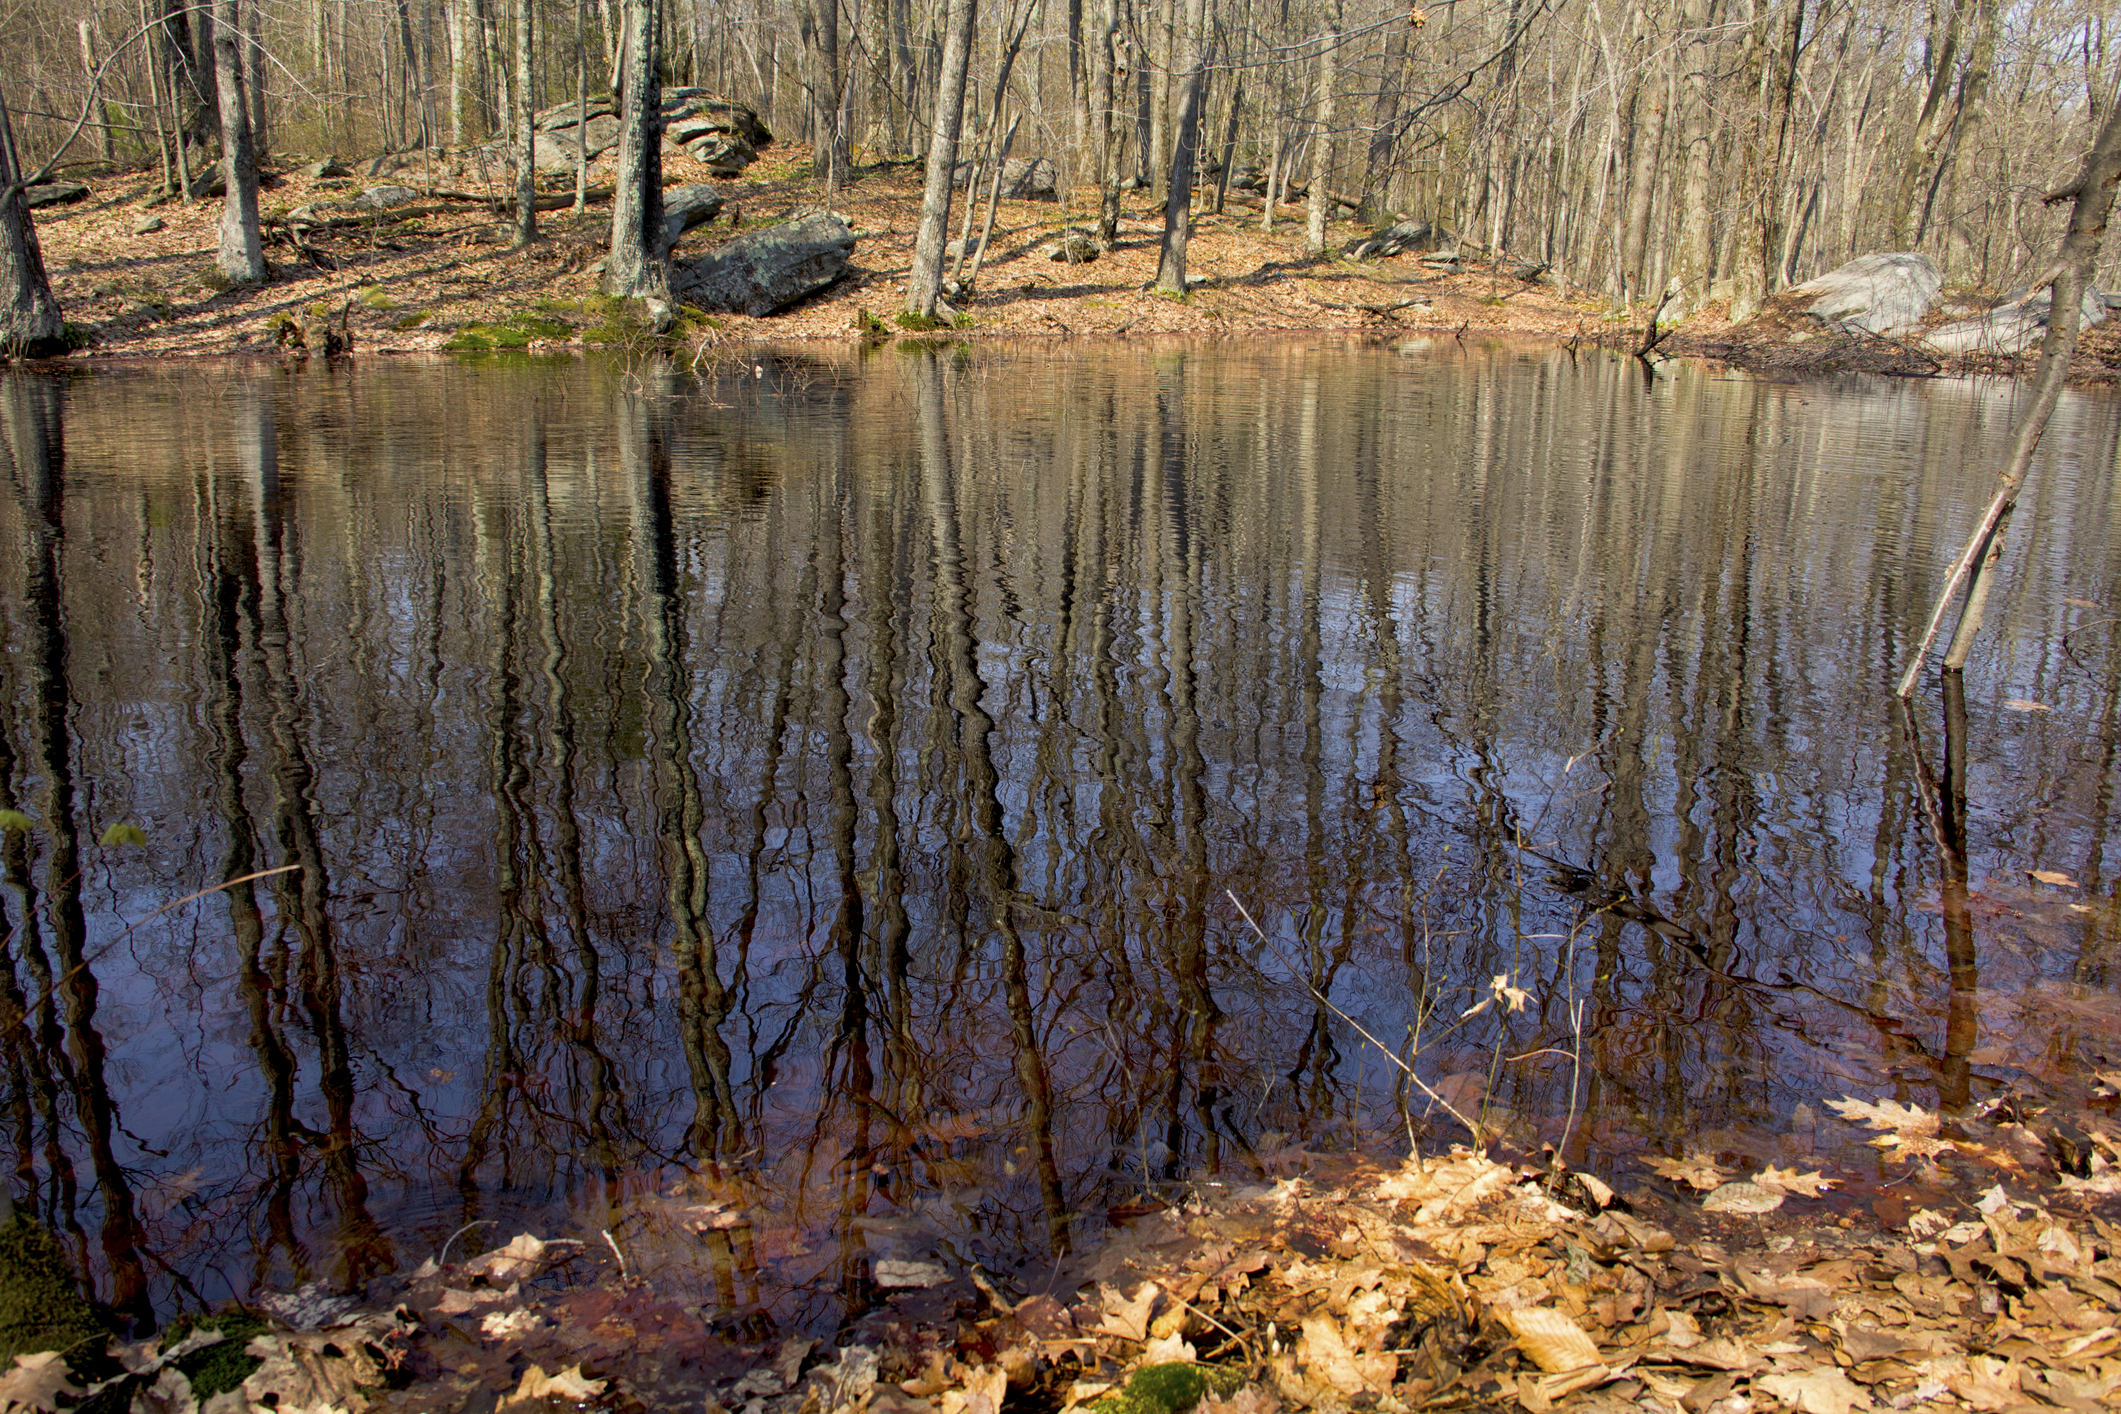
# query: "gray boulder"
1023, 179
1076, 246
2013, 326
55, 194
328, 167
722, 153
1887, 294
686, 207
1421, 237
553, 149
383, 198
769, 269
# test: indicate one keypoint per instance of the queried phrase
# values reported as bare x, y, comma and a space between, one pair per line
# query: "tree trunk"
1178, 195
90, 65
924, 280
638, 266
2072, 275
526, 227
255, 85
829, 155
1691, 260
30, 326
241, 256
1322, 152
1932, 124
1105, 63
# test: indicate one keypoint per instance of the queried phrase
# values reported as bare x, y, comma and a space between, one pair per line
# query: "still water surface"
828, 785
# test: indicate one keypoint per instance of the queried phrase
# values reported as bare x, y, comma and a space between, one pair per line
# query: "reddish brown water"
829, 784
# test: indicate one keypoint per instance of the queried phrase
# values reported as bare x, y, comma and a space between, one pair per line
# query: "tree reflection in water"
806, 798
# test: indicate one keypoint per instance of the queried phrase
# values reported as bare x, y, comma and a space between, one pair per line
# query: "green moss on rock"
41, 1307
1167, 1389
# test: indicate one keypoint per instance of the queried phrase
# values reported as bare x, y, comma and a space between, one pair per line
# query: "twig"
614, 1242
1390, 1055
443, 1259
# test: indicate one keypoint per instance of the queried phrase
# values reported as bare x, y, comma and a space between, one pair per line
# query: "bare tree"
1178, 196
29, 325
526, 228
924, 281
241, 256
639, 264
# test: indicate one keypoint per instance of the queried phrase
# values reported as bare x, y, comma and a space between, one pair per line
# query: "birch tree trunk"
526, 226
241, 256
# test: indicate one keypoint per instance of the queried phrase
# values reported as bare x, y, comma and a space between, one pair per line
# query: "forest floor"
418, 279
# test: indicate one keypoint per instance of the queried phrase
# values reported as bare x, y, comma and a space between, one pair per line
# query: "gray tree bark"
30, 326
1178, 194
1322, 152
526, 226
241, 256
924, 280
638, 267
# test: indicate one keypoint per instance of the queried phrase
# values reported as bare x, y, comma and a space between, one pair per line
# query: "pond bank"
435, 275
1462, 1281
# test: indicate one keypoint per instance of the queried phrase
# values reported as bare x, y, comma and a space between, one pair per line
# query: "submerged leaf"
1804, 1185
1913, 1130
2052, 876
1741, 1197
123, 834
2020, 704
1696, 1170
14, 820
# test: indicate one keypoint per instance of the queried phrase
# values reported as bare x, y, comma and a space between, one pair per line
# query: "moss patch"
514, 333
218, 1368
40, 1306
1168, 1389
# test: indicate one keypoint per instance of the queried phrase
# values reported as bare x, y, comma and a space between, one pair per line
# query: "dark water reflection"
825, 784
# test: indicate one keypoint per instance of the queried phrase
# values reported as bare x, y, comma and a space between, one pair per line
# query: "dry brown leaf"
568, 1384
1912, 1130
1746, 1199
2025, 704
36, 1382
1128, 1316
1550, 1339
1327, 1356
1987, 1383
983, 1392
1696, 1170
1814, 1391
2053, 876
1804, 1185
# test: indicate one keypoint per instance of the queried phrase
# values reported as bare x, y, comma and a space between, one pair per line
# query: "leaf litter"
1467, 1280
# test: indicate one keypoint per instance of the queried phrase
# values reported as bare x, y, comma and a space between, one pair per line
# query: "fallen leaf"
1987, 1383
1128, 1316
1804, 1185
568, 1384
36, 1382
894, 1272
1696, 1170
1747, 1199
1913, 1130
1328, 1356
2053, 876
2020, 704
1551, 1339
1814, 1391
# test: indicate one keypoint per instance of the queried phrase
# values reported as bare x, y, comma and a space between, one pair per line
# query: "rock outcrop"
2011, 327
1886, 294
723, 135
768, 269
